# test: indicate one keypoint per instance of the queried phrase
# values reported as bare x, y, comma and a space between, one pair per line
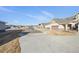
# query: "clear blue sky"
23, 15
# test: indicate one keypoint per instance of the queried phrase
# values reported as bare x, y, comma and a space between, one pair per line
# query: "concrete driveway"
43, 43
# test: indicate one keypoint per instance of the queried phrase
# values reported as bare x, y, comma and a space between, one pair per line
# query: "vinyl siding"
2, 26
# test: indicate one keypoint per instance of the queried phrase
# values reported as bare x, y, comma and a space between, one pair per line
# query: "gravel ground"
43, 43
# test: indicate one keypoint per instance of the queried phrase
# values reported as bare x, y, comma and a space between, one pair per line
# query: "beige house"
66, 24
42, 25
52, 25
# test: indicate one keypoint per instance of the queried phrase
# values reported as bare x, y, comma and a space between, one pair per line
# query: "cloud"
31, 16
16, 21
39, 17
3, 10
43, 16
48, 14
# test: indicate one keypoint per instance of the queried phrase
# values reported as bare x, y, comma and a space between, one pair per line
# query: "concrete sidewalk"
43, 43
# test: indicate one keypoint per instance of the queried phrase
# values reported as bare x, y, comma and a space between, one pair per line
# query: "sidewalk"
43, 43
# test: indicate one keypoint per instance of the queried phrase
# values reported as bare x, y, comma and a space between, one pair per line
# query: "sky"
31, 15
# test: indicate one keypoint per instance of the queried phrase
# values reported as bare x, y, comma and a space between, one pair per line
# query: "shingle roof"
45, 23
2, 22
64, 20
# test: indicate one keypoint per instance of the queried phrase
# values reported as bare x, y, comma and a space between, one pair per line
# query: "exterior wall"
61, 27
2, 26
41, 26
66, 28
77, 16
48, 27
52, 25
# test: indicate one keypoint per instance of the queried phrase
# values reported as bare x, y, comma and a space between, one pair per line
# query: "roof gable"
2, 22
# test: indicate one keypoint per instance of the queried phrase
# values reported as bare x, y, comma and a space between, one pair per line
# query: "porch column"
78, 27
66, 27
50, 27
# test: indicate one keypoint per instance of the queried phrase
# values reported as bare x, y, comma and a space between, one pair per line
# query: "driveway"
43, 43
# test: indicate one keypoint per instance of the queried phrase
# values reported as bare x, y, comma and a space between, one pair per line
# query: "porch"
71, 27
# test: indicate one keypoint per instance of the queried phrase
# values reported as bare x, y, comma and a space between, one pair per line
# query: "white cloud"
15, 22
39, 17
44, 16
48, 14
31, 16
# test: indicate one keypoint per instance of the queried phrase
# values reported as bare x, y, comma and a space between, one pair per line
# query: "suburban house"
52, 25
42, 25
65, 24
2, 26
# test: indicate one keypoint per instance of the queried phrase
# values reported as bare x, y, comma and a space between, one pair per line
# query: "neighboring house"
66, 24
52, 25
12, 27
41, 26
2, 26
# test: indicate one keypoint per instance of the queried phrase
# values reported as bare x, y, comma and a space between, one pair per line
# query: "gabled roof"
45, 23
64, 20
2, 22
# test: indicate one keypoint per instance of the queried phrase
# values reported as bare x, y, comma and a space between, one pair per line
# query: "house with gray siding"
2, 26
